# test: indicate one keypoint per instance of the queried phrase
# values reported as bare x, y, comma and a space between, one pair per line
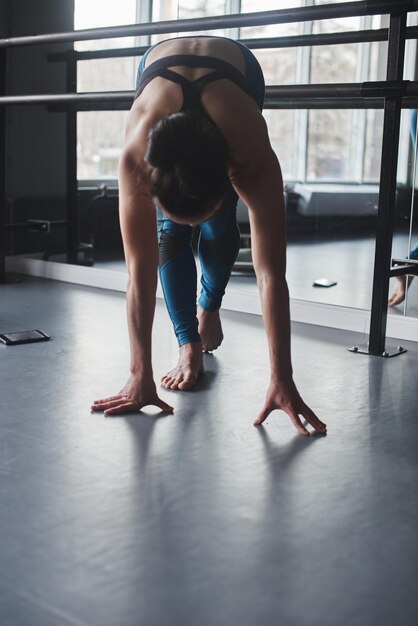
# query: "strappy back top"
192, 89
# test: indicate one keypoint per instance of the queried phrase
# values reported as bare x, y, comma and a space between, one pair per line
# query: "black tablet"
23, 336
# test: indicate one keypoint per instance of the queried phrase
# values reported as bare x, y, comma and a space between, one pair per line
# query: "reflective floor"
198, 518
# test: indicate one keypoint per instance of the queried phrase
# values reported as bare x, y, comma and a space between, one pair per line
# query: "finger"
314, 420
296, 421
125, 407
263, 415
164, 406
104, 400
108, 404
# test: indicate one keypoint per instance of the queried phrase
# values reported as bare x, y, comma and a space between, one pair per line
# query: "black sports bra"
192, 89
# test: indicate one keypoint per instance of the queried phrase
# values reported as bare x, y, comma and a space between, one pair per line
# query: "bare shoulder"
240, 121
137, 122
159, 99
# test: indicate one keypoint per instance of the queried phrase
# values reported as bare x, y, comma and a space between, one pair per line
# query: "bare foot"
398, 295
210, 329
190, 364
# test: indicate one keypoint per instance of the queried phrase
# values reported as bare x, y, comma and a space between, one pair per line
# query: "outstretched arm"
139, 234
260, 186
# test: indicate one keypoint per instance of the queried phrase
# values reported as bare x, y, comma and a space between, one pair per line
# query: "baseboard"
304, 311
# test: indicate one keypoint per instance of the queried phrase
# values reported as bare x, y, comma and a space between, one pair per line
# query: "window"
188, 9
316, 145
100, 133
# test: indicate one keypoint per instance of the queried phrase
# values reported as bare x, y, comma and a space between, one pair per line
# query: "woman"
195, 141
399, 293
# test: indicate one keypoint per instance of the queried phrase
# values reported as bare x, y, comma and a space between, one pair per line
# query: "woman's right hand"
136, 394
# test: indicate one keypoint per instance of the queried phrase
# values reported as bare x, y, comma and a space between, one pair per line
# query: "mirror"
330, 158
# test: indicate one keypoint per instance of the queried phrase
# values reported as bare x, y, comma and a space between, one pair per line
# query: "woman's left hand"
285, 396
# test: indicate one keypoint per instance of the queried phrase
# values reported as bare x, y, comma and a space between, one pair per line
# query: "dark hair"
189, 156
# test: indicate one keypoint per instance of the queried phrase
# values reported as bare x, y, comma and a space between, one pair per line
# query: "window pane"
187, 9
281, 126
334, 144
279, 64
329, 143
373, 146
97, 14
107, 74
100, 139
280, 67
100, 133
271, 30
335, 64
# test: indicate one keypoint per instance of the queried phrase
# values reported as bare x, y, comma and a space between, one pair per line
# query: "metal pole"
387, 193
336, 91
72, 208
282, 16
293, 41
2, 169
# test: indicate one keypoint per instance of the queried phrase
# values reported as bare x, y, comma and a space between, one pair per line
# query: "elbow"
267, 281
127, 161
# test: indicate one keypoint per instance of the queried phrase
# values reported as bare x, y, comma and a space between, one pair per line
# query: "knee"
224, 249
170, 246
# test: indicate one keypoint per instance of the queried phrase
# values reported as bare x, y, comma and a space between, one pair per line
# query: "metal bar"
2, 169
325, 39
282, 16
282, 104
269, 103
405, 260
402, 270
69, 99
326, 103
88, 55
72, 183
44, 226
294, 41
387, 190
335, 91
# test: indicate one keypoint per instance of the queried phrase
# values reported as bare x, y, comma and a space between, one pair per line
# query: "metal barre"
282, 16
326, 39
331, 91
269, 104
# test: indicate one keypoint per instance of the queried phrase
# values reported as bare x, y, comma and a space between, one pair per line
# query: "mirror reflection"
330, 157
404, 290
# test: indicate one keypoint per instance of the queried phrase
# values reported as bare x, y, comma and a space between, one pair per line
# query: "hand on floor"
286, 397
132, 398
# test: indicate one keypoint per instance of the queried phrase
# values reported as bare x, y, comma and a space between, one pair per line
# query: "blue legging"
218, 243
218, 247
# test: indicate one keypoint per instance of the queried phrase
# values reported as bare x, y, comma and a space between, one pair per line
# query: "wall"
36, 138
4, 10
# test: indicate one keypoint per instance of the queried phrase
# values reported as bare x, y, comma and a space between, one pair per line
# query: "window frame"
144, 12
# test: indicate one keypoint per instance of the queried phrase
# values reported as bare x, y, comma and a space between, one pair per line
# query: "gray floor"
198, 518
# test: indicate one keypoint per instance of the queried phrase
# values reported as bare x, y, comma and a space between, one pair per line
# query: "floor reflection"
348, 262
